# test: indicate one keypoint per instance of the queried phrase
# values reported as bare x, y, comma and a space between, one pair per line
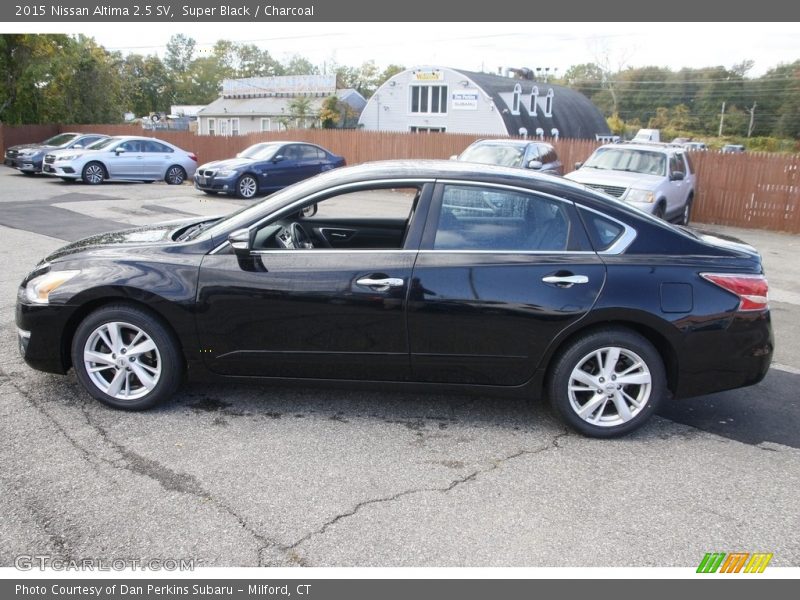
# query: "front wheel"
175, 175
687, 211
246, 187
607, 383
94, 173
126, 358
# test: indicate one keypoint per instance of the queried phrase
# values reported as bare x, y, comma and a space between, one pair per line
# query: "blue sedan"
264, 168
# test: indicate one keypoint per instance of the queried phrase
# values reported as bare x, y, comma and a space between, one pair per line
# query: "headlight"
635, 195
67, 157
39, 288
226, 173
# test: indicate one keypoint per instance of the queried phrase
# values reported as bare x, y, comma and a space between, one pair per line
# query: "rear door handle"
565, 280
380, 285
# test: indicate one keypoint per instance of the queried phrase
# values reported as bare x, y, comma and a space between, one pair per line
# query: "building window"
266, 124
414, 129
234, 126
534, 101
428, 99
548, 104
212, 127
515, 99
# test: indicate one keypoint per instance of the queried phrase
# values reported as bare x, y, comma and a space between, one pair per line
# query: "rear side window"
477, 218
603, 232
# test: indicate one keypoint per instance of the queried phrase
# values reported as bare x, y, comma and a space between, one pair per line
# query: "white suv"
657, 178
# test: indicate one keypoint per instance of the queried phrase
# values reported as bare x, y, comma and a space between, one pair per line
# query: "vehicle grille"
208, 172
50, 159
611, 190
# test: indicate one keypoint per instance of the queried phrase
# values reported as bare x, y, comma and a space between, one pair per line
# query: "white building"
456, 101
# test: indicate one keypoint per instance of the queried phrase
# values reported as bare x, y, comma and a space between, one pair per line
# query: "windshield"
104, 143
628, 159
494, 154
260, 151
96, 145
60, 139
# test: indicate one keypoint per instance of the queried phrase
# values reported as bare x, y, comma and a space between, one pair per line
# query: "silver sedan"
124, 157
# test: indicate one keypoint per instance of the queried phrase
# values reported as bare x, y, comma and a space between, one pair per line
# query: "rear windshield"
494, 154
61, 139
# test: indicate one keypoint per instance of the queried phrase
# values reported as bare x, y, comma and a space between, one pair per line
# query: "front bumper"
62, 169
27, 165
225, 185
41, 333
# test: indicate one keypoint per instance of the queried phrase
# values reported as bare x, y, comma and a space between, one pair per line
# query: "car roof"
507, 142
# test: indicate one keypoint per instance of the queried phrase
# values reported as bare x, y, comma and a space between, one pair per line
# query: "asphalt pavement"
262, 475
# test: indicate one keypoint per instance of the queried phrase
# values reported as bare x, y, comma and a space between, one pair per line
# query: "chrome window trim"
329, 191
623, 242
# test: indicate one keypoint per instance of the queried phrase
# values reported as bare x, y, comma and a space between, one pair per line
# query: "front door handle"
565, 280
380, 285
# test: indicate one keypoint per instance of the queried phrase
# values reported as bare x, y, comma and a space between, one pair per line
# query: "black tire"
129, 368
603, 417
687, 211
175, 175
661, 210
210, 192
94, 173
247, 187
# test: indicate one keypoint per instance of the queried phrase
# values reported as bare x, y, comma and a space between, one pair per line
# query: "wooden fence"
753, 190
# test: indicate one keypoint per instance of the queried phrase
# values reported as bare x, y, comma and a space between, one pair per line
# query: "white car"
656, 178
125, 157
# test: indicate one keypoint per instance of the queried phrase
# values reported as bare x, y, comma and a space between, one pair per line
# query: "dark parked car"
732, 149
264, 168
539, 156
27, 158
428, 272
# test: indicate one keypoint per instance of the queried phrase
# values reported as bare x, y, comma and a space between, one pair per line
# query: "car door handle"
565, 280
380, 284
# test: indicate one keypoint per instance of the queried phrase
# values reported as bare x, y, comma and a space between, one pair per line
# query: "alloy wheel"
247, 187
122, 360
609, 386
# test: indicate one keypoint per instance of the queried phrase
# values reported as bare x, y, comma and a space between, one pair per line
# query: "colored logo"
734, 562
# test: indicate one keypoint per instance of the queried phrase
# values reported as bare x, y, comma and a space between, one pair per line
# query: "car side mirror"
578, 165
535, 164
677, 176
309, 211
240, 241
119, 151
278, 158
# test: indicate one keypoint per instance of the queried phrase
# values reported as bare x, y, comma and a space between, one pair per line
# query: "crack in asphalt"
495, 464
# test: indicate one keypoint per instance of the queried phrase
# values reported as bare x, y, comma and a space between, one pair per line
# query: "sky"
471, 46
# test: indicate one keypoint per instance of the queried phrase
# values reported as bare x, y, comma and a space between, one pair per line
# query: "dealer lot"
246, 475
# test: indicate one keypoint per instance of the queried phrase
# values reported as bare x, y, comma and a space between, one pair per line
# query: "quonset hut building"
427, 99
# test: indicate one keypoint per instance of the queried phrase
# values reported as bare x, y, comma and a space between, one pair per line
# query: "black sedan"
427, 272
28, 158
264, 168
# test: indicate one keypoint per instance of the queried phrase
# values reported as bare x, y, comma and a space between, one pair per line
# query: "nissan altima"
434, 273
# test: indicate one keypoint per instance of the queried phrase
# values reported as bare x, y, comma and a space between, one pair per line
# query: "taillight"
193, 156
751, 289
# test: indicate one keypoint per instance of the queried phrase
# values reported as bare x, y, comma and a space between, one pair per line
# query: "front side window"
478, 218
428, 99
364, 219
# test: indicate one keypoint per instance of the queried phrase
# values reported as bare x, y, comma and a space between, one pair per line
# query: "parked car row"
95, 158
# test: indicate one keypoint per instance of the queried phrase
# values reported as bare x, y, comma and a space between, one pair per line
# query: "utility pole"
752, 112
721, 119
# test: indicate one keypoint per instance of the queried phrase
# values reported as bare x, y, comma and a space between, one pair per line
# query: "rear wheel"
607, 383
94, 173
246, 187
126, 358
175, 175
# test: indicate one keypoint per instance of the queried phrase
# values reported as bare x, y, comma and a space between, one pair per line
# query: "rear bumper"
724, 359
